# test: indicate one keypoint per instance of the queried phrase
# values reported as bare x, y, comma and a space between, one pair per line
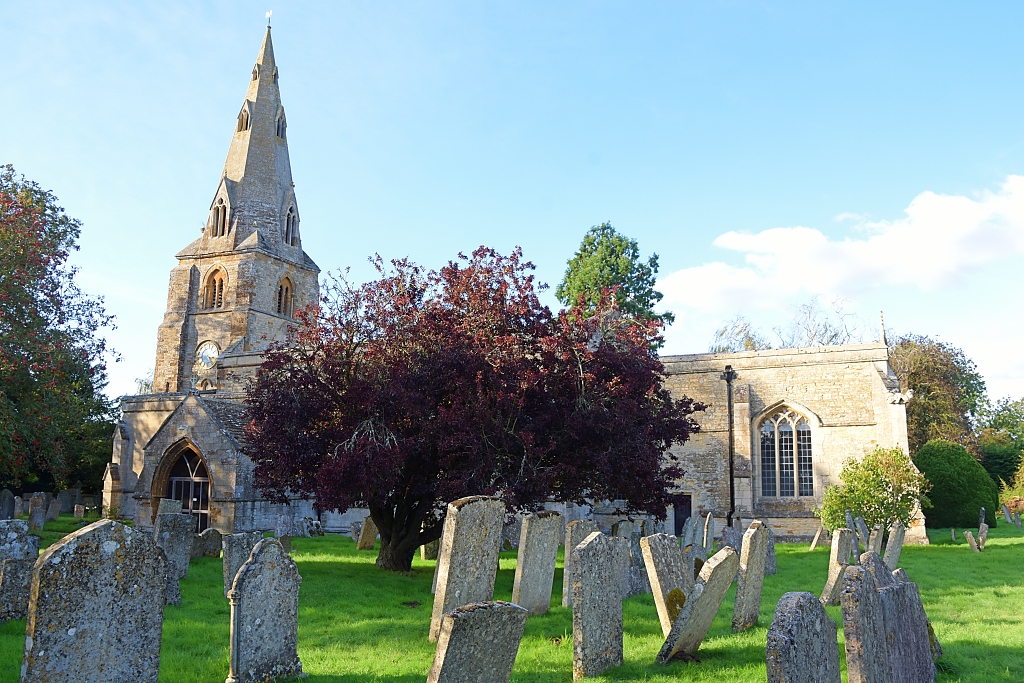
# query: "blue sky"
768, 152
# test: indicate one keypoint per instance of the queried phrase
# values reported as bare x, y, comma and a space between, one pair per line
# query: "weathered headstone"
670, 577
169, 506
802, 644
265, 616
6, 504
982, 536
576, 532
19, 506
634, 575
597, 604
36, 518
535, 566
53, 511
875, 541
952, 533
817, 537
428, 551
906, 633
894, 546
237, 548
770, 563
850, 524
981, 517
732, 537
971, 542
174, 533
867, 659
863, 536
468, 556
1006, 514
843, 544
478, 643
96, 611
1016, 519
511, 532
16, 543
66, 500
367, 535
283, 526
15, 585
354, 529
79, 512
37, 500
879, 571
709, 534
750, 579
701, 606
210, 542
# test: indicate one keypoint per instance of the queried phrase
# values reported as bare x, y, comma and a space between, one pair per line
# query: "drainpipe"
729, 375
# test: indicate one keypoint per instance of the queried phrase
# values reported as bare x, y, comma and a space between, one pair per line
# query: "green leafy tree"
1000, 455
883, 488
960, 485
52, 368
608, 260
1006, 417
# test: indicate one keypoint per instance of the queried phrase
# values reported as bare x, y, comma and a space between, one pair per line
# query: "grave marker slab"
576, 532
237, 548
66, 501
535, 566
971, 542
981, 517
770, 563
732, 537
1006, 514
801, 646
709, 534
750, 579
15, 585
850, 524
79, 512
817, 537
982, 536
701, 606
867, 659
16, 543
428, 551
354, 529
478, 642
597, 604
878, 569
863, 537
36, 518
6, 504
52, 511
907, 634
174, 533
843, 544
169, 506
210, 541
367, 535
634, 575
1016, 519
19, 506
894, 546
669, 575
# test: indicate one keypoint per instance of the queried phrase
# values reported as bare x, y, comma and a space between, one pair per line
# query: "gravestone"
97, 606
265, 616
750, 579
670, 577
894, 546
237, 548
971, 542
952, 533
210, 542
596, 586
53, 511
36, 518
16, 543
283, 526
79, 512
174, 533
19, 506
67, 502
867, 659
169, 506
981, 517
1016, 519
770, 563
37, 500
511, 532
634, 578
909, 646
817, 537
843, 544
880, 572
428, 551
19, 551
354, 529
1006, 514
6, 504
469, 556
367, 535
732, 537
709, 534
478, 642
875, 541
701, 606
982, 536
802, 644
576, 532
850, 524
863, 537
535, 566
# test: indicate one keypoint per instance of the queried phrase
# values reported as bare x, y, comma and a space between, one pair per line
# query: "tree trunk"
399, 541
396, 557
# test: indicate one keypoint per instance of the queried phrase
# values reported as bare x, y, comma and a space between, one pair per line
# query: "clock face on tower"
207, 354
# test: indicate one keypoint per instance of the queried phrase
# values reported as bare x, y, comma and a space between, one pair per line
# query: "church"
778, 427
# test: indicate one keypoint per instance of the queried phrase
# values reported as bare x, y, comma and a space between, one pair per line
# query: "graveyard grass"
357, 623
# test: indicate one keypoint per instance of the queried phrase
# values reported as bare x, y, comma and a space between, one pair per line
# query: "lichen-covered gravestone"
19, 551
469, 556
478, 643
770, 563
671, 579
701, 606
750, 579
894, 546
367, 535
19, 506
535, 565
209, 542
907, 634
354, 529
79, 512
237, 548
732, 537
801, 645
596, 587
1006, 514
96, 611
971, 542
982, 535
6, 504
36, 518
174, 534
428, 551
843, 543
817, 537
709, 534
867, 659
576, 532
169, 506
53, 511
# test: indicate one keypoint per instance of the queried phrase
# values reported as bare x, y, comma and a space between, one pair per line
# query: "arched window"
256, 72
787, 467
284, 298
281, 126
219, 219
291, 227
213, 293
243, 120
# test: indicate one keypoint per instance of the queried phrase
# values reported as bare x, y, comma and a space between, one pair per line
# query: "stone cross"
173, 533
709, 534
867, 659
701, 606
367, 535
53, 510
576, 532
169, 506
468, 557
535, 565
36, 518
478, 642
843, 544
671, 579
971, 542
115, 578
750, 579
6, 504
597, 565
265, 616
802, 644
237, 548
894, 546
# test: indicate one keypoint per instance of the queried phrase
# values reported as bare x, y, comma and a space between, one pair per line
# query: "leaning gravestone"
596, 586
709, 534
469, 555
770, 563
174, 533
367, 535
843, 544
971, 542
53, 511
237, 548
817, 537
867, 659
802, 642
97, 606
850, 524
701, 606
863, 535
6, 504
750, 580
265, 616
576, 532
36, 518
169, 506
670, 578
982, 535
535, 566
1006, 514
478, 642
894, 546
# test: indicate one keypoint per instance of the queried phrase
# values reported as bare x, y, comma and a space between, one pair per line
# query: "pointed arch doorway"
189, 481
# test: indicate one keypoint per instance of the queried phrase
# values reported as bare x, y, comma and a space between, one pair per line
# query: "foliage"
960, 485
883, 488
738, 335
608, 260
420, 388
144, 385
52, 367
1005, 417
949, 393
1000, 455
810, 325
1012, 493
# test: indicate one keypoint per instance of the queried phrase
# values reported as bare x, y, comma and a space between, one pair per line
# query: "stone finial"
576, 532
597, 566
801, 645
535, 566
478, 643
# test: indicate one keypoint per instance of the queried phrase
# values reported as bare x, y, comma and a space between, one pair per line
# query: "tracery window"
219, 219
787, 465
291, 227
213, 293
284, 298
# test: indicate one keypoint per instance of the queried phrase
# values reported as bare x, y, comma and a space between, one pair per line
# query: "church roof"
231, 416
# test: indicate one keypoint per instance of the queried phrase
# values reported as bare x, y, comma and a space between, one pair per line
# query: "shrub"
1000, 456
960, 485
1012, 494
883, 488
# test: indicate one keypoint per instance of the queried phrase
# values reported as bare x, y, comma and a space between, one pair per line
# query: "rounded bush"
960, 486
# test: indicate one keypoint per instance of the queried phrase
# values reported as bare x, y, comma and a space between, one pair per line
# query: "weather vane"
271, 12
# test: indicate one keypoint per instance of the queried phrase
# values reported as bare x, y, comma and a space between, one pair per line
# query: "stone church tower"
233, 292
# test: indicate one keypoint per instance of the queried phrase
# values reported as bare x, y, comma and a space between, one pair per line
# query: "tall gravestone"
478, 643
801, 646
982, 535
701, 606
6, 504
535, 566
19, 551
96, 611
596, 585
576, 532
770, 563
53, 511
237, 548
174, 533
367, 535
671, 579
265, 616
67, 501
709, 534
36, 518
894, 546
867, 658
19, 506
750, 579
469, 555
843, 543
1006, 514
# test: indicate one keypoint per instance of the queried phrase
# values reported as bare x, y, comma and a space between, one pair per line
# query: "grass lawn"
357, 623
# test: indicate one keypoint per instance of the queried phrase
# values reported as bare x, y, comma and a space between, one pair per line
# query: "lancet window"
243, 120
291, 227
219, 219
213, 292
281, 126
284, 298
787, 464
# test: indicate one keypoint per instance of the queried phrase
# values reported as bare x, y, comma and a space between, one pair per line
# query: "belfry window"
284, 298
787, 467
281, 126
243, 120
213, 293
291, 227
219, 219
